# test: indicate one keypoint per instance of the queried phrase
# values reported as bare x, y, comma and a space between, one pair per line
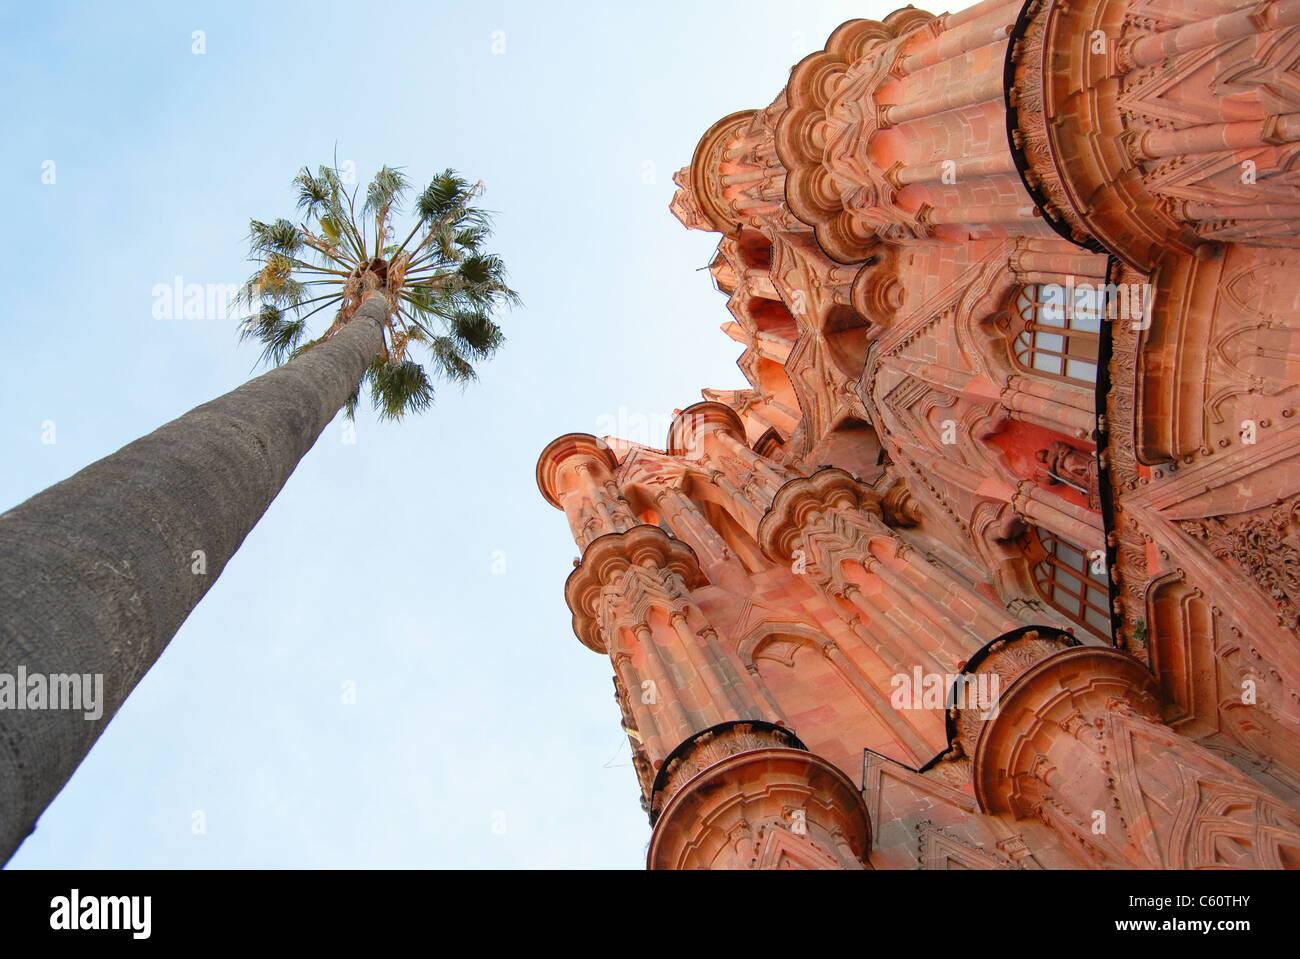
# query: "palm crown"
440, 287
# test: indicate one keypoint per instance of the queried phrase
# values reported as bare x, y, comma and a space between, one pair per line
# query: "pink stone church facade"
996, 564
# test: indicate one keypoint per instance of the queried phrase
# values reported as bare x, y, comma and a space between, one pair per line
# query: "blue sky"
483, 734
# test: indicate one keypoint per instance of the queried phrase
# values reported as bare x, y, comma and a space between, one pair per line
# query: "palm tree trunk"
98, 572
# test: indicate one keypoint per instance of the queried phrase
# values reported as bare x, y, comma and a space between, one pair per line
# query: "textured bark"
96, 571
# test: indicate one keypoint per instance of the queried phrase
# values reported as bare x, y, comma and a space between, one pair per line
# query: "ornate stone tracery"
1265, 545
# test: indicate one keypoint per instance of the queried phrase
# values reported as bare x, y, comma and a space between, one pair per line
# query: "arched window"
1055, 329
1065, 576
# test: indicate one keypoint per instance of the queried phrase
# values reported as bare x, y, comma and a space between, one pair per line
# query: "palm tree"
439, 291
99, 571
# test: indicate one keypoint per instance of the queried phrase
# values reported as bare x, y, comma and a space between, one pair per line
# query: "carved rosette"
748, 795
1263, 544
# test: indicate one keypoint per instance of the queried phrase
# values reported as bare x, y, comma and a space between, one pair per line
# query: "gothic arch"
973, 314
758, 636
1065, 579
753, 249
848, 337
792, 665
720, 512
1031, 402
985, 326
640, 499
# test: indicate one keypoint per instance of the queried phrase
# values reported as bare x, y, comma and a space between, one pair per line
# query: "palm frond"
451, 362
481, 269
278, 334
470, 237
280, 237
398, 388
446, 193
313, 191
350, 404
385, 189
476, 333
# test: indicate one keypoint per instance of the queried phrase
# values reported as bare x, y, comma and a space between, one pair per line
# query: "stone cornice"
699, 416
735, 811
782, 527
805, 130
560, 449
1027, 127
706, 160
606, 561
1093, 160
1051, 687
709, 747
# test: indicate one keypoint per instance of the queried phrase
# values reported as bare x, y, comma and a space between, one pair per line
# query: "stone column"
1077, 741
687, 522
834, 520
680, 723
711, 437
749, 795
646, 724
1043, 508
720, 706
1031, 400
575, 473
